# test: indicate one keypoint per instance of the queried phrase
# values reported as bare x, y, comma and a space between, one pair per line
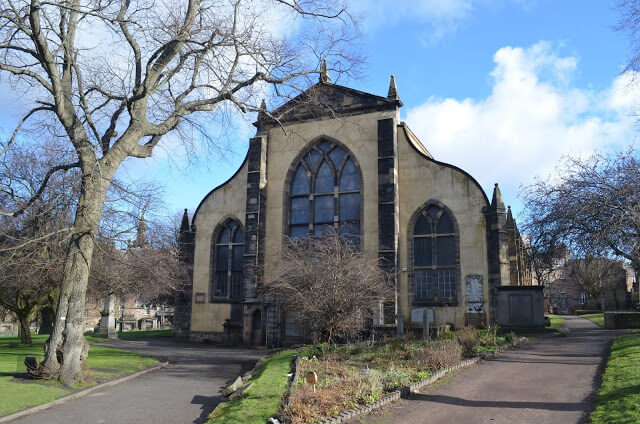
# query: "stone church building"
339, 158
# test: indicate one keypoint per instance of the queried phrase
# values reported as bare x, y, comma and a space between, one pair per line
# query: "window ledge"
226, 300
419, 303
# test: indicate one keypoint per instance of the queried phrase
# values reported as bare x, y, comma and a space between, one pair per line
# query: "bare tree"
592, 205
328, 283
153, 68
31, 271
629, 22
147, 269
33, 245
596, 276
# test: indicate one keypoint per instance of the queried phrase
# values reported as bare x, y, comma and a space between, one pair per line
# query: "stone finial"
511, 223
393, 90
497, 204
324, 73
184, 226
262, 113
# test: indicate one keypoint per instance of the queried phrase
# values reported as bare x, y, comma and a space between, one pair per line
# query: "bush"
468, 339
438, 355
509, 337
395, 378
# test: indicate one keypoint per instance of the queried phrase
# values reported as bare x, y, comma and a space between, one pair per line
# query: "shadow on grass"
619, 393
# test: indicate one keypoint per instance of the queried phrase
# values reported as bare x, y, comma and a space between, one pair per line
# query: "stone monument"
108, 321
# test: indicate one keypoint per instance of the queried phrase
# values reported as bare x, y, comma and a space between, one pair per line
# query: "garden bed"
358, 374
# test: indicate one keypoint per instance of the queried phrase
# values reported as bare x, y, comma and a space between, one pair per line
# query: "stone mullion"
229, 263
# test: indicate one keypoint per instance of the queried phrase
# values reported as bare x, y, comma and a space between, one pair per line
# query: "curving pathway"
550, 381
184, 392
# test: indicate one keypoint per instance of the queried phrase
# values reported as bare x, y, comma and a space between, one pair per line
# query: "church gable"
326, 100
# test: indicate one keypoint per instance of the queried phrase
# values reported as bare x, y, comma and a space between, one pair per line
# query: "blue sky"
501, 88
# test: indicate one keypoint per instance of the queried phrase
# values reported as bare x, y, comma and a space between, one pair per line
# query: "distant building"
566, 293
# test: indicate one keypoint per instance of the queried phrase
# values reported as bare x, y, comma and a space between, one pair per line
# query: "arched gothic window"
226, 261
325, 193
434, 256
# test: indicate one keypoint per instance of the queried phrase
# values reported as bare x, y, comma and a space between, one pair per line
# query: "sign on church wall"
475, 294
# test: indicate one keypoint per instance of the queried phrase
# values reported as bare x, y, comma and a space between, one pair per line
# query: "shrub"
435, 356
395, 377
468, 339
509, 337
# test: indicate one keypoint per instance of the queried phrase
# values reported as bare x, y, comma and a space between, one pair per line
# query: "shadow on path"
549, 381
450, 400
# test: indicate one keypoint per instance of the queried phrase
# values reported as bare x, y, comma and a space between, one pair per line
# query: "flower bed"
360, 373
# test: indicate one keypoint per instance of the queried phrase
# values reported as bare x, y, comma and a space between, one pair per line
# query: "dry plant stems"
355, 375
109, 80
468, 339
329, 283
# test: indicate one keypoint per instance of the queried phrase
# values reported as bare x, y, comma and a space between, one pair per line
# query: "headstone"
235, 385
417, 315
108, 321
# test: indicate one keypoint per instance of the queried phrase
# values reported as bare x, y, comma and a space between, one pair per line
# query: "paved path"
545, 382
185, 392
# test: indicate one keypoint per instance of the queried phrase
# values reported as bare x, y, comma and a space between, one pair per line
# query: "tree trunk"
47, 314
25, 329
66, 349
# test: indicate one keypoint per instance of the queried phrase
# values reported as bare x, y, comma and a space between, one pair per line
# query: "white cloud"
437, 17
533, 116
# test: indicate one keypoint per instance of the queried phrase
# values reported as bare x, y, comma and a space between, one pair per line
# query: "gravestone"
108, 320
128, 323
417, 316
148, 324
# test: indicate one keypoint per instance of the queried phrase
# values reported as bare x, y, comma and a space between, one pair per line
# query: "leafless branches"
328, 283
595, 276
112, 79
592, 205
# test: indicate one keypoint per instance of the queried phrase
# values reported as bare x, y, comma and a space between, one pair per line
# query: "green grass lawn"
17, 393
596, 318
262, 400
557, 322
618, 398
143, 334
